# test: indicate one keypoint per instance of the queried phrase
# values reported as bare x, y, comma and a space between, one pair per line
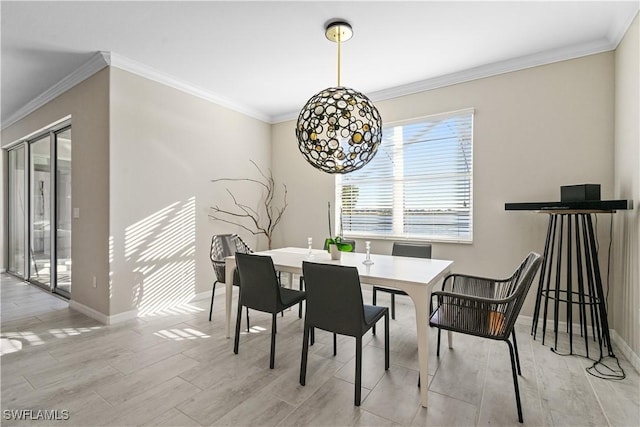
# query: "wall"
88, 105
534, 130
626, 276
166, 147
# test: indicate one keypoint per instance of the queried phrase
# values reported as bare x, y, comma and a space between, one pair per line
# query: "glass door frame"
51, 132
25, 211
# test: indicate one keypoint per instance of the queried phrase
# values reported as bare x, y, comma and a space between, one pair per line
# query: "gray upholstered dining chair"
486, 308
261, 291
334, 304
413, 250
326, 248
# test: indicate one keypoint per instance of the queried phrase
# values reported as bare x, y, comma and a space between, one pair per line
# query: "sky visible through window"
421, 173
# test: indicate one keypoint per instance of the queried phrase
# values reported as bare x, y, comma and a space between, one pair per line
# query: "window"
418, 186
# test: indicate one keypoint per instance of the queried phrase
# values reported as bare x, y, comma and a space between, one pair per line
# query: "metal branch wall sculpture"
258, 222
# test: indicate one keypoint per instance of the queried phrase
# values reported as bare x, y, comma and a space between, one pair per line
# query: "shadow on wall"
159, 261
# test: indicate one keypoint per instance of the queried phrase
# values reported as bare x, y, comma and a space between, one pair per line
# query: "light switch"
76, 212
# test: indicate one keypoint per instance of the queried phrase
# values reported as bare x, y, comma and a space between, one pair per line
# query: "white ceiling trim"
86, 70
150, 73
103, 59
484, 71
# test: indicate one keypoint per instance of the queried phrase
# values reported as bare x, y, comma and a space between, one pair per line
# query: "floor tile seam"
151, 388
195, 385
415, 414
292, 406
184, 413
604, 413
395, 423
538, 385
484, 384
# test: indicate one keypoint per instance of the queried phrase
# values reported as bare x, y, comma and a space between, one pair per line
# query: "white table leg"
450, 338
230, 266
420, 297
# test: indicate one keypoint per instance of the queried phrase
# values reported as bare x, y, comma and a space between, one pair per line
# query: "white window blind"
418, 186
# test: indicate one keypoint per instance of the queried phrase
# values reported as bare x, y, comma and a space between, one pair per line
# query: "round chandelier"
339, 129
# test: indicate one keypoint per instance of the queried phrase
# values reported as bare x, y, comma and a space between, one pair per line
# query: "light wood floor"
179, 370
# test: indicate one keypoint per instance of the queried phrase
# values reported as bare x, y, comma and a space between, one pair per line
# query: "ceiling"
267, 58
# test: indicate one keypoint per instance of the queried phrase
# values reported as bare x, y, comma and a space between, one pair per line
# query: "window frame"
368, 235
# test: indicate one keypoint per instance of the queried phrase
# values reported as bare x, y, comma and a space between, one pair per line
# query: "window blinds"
419, 184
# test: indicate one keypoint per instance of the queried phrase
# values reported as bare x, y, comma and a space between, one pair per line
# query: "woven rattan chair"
261, 291
334, 304
402, 249
222, 246
486, 308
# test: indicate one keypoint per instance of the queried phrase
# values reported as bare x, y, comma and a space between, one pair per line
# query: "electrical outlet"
95, 282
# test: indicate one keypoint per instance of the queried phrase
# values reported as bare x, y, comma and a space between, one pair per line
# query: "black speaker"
579, 193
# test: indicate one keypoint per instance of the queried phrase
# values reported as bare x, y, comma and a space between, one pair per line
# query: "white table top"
387, 270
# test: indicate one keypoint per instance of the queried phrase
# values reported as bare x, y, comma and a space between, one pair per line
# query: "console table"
571, 237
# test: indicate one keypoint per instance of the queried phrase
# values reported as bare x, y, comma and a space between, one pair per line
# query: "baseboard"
205, 295
127, 315
626, 350
88, 311
562, 326
628, 353
101, 317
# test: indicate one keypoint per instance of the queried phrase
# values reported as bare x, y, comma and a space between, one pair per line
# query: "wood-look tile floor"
180, 370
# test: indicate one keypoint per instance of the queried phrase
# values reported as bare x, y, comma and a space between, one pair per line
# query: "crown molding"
483, 71
102, 59
96, 63
131, 66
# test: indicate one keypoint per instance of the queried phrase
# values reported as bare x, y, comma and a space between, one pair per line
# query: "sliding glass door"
17, 214
40, 210
63, 211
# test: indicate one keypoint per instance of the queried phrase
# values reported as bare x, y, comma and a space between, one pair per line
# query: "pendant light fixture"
339, 129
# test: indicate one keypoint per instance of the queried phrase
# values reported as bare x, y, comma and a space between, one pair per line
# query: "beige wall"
534, 130
143, 158
166, 147
627, 186
88, 105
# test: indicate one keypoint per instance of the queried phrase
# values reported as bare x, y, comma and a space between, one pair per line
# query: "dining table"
415, 276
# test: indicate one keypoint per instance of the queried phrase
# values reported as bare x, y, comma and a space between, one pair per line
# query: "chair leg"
305, 351
272, 359
238, 320
335, 344
438, 348
515, 348
213, 292
393, 306
313, 335
515, 379
375, 299
300, 305
386, 341
358, 371
248, 327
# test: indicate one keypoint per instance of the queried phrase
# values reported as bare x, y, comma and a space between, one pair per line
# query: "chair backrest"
222, 246
413, 250
523, 277
220, 249
260, 289
334, 298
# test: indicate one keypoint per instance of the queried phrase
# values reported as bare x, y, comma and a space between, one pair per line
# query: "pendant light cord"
339, 40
